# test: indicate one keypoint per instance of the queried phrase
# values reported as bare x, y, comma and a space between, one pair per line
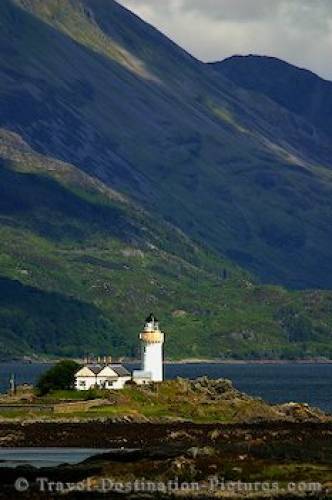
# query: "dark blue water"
46, 457
276, 383
24, 373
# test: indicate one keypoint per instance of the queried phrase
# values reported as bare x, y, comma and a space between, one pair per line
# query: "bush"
95, 393
59, 377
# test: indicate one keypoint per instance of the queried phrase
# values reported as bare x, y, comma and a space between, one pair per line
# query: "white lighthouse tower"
152, 340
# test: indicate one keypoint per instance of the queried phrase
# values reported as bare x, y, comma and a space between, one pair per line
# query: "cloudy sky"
299, 31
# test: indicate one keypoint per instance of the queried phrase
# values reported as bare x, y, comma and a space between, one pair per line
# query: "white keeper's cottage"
107, 375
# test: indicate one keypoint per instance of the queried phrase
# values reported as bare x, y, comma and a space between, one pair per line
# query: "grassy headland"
191, 430
199, 401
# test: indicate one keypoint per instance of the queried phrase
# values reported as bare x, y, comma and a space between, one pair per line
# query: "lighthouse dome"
151, 319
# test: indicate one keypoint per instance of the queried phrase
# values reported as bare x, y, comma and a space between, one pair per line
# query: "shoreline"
248, 361
187, 452
105, 433
189, 361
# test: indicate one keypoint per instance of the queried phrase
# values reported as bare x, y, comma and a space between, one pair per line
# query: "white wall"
87, 381
121, 382
152, 360
90, 382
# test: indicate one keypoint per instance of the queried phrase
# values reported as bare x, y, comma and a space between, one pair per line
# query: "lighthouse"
152, 340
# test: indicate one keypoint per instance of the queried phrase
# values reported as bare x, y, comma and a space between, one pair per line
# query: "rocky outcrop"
301, 412
212, 389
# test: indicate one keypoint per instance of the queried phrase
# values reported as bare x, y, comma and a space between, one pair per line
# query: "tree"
59, 377
298, 326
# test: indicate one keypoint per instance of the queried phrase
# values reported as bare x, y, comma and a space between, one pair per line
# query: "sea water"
45, 457
276, 383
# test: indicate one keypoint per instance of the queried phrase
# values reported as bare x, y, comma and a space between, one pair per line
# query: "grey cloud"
236, 10
239, 10
299, 31
226, 9
159, 8
307, 15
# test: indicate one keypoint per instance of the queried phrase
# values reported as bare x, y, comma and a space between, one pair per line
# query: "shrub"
59, 377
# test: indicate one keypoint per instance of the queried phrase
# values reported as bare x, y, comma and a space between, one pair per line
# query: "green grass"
81, 266
169, 400
63, 396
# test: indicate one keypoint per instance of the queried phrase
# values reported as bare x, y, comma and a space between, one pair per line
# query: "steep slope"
81, 265
135, 178
297, 90
75, 256
87, 82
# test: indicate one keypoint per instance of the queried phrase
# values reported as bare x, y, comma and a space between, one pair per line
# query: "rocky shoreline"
269, 452
131, 435
188, 431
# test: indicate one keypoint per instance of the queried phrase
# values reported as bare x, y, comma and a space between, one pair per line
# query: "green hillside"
134, 178
81, 266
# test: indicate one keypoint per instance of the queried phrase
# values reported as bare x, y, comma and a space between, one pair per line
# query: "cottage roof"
120, 370
87, 371
96, 369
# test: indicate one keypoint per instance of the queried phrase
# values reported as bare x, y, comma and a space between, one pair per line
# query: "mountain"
81, 264
135, 178
88, 83
297, 90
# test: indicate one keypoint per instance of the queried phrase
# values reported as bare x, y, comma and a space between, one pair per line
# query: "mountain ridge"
297, 89
135, 177
199, 132
67, 286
